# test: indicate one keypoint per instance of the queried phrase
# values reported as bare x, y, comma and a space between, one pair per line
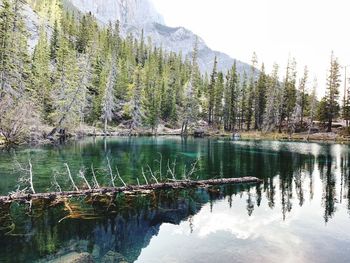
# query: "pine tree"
151, 100
15, 60
261, 98
108, 99
303, 94
289, 93
251, 102
243, 100
6, 49
136, 99
190, 110
218, 103
83, 35
65, 88
271, 116
231, 99
54, 41
313, 106
41, 89
333, 84
211, 93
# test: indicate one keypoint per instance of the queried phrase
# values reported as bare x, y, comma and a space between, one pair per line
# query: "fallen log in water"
130, 189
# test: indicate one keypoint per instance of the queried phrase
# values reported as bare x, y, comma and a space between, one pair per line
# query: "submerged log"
130, 189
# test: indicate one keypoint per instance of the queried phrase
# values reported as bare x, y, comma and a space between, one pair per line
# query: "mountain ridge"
137, 15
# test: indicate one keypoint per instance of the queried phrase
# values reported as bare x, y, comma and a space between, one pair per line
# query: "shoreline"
245, 135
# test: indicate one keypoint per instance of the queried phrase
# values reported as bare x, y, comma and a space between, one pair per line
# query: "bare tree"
16, 118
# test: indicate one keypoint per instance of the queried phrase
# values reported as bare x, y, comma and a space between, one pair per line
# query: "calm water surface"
300, 213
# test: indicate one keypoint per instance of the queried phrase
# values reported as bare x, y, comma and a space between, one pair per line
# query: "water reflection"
303, 202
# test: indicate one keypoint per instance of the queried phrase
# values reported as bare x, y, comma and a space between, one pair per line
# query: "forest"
82, 74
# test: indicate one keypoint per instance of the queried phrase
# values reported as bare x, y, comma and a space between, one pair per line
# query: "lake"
300, 213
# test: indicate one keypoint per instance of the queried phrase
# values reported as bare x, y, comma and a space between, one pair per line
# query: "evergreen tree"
333, 84
218, 102
65, 87
54, 41
271, 116
243, 100
190, 110
289, 93
41, 90
261, 98
251, 105
151, 100
303, 94
231, 99
136, 99
211, 93
313, 106
15, 60
108, 99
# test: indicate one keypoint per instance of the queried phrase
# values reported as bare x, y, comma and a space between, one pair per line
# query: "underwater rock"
74, 257
96, 251
113, 257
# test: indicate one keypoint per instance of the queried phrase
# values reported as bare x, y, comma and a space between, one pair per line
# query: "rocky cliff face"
128, 12
135, 15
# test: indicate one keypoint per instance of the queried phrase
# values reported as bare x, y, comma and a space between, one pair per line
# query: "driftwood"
131, 189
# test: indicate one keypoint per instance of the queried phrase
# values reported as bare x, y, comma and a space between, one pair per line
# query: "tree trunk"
131, 189
329, 128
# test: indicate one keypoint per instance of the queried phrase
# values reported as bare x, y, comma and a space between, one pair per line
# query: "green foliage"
86, 73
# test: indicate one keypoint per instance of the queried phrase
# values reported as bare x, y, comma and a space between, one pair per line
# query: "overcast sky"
306, 29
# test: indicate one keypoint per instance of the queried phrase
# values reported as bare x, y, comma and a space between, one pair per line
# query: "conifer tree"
108, 99
211, 93
218, 102
332, 94
243, 100
289, 93
303, 94
41, 89
313, 106
261, 98
190, 110
271, 116
65, 89
14, 57
251, 105
136, 99
151, 100
54, 41
231, 99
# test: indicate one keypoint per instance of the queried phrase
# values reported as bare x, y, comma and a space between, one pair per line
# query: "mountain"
138, 15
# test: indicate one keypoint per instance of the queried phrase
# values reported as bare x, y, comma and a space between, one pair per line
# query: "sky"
305, 29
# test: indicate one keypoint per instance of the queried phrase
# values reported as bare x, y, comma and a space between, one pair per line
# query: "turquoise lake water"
300, 213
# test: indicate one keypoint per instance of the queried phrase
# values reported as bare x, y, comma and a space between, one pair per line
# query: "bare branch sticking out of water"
82, 175
111, 172
55, 182
97, 185
120, 178
150, 170
144, 176
71, 178
31, 176
25, 179
172, 171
